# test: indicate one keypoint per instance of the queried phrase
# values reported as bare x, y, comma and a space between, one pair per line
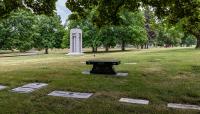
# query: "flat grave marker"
35, 85
183, 106
122, 74
2, 87
23, 90
28, 88
70, 94
86, 72
134, 101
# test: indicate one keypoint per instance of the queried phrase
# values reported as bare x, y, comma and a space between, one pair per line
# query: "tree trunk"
198, 43
46, 51
137, 46
142, 46
147, 46
107, 48
94, 49
123, 46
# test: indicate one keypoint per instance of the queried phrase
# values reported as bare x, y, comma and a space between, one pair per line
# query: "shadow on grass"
112, 51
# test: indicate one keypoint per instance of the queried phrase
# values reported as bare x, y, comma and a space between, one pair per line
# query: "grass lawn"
161, 76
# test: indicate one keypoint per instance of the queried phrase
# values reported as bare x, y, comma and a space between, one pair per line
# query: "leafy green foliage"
188, 40
21, 25
16, 32
107, 12
4, 38
23, 30
46, 7
49, 33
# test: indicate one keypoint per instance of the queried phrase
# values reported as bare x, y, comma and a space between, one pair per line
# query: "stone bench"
103, 66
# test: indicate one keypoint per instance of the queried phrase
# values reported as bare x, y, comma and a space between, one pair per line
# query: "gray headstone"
2, 87
183, 106
23, 90
35, 85
71, 94
134, 101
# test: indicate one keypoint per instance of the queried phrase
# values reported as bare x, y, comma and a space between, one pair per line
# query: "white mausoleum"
76, 42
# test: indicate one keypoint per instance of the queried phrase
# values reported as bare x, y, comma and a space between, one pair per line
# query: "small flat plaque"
71, 94
2, 87
35, 85
86, 72
134, 101
122, 74
23, 90
183, 106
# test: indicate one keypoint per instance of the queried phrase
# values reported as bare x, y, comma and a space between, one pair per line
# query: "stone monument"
76, 42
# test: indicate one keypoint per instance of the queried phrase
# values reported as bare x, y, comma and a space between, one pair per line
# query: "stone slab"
121, 74
183, 106
130, 63
118, 74
28, 88
2, 87
134, 101
70, 94
35, 85
23, 90
86, 72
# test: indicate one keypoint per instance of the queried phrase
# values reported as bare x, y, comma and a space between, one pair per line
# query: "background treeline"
140, 29
22, 30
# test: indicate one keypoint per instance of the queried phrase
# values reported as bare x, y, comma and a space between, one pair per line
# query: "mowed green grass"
161, 76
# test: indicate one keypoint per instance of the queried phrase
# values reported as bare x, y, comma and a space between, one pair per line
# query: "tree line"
140, 29
170, 13
23, 30
27, 24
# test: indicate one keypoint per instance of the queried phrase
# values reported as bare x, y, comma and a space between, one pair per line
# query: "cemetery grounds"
160, 75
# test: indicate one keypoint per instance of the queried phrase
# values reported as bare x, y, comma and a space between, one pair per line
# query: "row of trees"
22, 30
140, 28
137, 22
131, 32
183, 14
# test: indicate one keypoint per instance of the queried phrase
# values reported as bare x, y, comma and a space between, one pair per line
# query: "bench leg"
103, 69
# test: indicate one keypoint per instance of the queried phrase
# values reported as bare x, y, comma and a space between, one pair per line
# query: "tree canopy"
46, 7
186, 12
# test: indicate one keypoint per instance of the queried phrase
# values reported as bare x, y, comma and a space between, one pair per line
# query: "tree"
106, 10
46, 7
107, 37
90, 36
21, 30
49, 33
185, 12
4, 36
188, 40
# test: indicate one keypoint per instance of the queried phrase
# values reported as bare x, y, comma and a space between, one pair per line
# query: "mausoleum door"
74, 44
